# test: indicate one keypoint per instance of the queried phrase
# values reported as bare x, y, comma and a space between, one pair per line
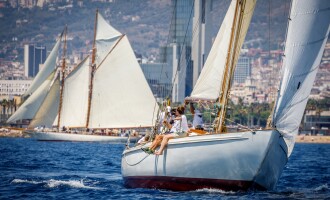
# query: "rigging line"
161, 71
168, 39
181, 57
246, 127
136, 162
269, 51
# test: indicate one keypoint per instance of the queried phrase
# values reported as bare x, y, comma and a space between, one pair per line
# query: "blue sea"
73, 170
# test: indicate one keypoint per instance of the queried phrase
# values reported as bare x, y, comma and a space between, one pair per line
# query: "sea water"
76, 170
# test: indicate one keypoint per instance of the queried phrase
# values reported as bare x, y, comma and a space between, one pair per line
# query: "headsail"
48, 68
30, 107
307, 34
49, 107
209, 83
75, 96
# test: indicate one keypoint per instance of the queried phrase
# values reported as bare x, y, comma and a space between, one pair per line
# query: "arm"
192, 108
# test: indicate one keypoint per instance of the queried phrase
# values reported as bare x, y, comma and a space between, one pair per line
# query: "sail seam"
312, 11
308, 43
306, 73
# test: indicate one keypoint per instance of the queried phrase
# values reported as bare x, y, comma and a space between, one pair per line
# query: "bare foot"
158, 153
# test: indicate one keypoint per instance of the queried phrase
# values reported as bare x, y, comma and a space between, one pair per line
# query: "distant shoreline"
299, 139
313, 139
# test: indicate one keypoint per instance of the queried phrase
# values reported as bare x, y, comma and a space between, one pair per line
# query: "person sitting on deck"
143, 140
198, 117
164, 115
179, 128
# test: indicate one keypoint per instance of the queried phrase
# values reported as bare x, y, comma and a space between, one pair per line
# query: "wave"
211, 190
56, 183
323, 187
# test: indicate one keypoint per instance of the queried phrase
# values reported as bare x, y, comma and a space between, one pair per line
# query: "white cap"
168, 108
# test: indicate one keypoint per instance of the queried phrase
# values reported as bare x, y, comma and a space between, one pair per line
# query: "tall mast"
229, 68
93, 66
62, 78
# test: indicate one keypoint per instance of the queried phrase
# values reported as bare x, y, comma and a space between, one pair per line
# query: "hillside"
146, 22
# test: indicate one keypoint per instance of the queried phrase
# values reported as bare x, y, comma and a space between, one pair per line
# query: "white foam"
25, 181
55, 183
71, 183
211, 190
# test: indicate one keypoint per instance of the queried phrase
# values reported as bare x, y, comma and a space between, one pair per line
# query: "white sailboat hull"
234, 161
58, 136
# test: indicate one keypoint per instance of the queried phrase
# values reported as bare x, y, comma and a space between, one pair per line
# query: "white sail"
208, 85
30, 107
75, 96
48, 68
121, 94
307, 34
49, 107
106, 37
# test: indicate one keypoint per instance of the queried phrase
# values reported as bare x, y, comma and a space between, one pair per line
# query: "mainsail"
31, 106
75, 96
210, 82
48, 68
308, 31
121, 96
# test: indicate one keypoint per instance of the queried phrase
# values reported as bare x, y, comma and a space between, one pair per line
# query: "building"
316, 122
243, 69
10, 88
34, 57
188, 28
202, 37
159, 82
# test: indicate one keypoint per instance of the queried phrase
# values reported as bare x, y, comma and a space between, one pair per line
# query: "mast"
62, 78
229, 68
93, 66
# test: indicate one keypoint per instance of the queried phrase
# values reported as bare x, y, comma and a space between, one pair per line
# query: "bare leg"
166, 138
156, 142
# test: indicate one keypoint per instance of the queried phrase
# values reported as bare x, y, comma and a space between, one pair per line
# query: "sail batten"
307, 35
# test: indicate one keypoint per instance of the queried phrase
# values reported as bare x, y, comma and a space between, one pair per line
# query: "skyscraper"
243, 69
191, 32
34, 56
190, 26
202, 36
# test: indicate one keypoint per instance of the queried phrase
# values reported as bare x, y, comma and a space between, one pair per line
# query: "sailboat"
45, 82
101, 98
248, 159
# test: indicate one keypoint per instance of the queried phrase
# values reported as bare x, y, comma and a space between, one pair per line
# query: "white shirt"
198, 118
162, 117
180, 125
